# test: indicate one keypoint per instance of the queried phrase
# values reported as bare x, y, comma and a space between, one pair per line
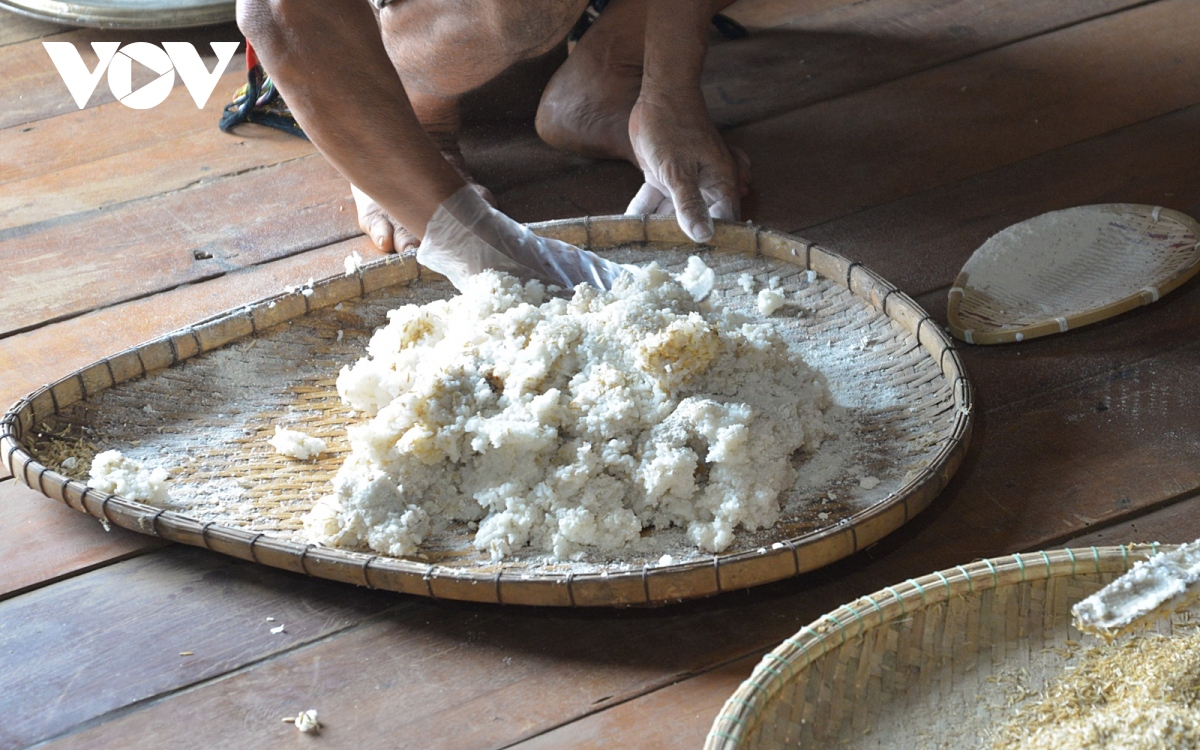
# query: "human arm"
329, 61
687, 167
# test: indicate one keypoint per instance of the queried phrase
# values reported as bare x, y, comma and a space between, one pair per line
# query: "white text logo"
178, 57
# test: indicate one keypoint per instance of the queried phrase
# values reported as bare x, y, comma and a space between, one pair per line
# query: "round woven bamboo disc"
127, 14
943, 661
203, 401
1066, 269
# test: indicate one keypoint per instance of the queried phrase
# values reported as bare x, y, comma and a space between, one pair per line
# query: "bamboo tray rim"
650, 584
1145, 295
736, 720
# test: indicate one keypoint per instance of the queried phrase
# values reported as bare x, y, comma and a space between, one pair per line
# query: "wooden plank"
45, 197
766, 14
918, 241
204, 155
678, 715
32, 89
44, 541
598, 190
107, 130
827, 54
31, 359
92, 644
965, 523
1006, 375
922, 241
507, 156
147, 246
17, 28
973, 115
1009, 481
1176, 523
435, 676
816, 55
34, 358
1072, 458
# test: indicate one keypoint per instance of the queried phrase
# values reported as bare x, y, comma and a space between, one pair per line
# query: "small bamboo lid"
1069, 268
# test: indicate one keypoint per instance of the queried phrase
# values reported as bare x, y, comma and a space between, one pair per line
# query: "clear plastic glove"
466, 236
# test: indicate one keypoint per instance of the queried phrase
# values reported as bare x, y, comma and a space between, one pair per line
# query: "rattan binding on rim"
1064, 286
664, 583
852, 677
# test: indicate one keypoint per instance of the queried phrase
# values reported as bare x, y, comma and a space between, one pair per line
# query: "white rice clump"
114, 474
569, 426
296, 444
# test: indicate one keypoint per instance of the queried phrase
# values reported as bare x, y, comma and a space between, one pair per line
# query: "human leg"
586, 106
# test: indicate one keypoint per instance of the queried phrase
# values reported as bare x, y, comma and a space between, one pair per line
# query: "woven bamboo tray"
1055, 273
203, 400
929, 663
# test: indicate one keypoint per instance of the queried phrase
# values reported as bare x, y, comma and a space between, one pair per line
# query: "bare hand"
689, 171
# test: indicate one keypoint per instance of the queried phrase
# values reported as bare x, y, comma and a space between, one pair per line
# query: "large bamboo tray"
203, 400
942, 661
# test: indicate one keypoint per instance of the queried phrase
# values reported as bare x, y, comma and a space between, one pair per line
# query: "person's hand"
387, 233
466, 236
689, 171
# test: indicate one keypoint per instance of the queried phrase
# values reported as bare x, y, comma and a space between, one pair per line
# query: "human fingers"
723, 208
647, 201
404, 240
379, 228
691, 210
721, 196
372, 220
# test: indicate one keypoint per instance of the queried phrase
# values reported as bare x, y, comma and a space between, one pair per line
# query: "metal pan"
127, 14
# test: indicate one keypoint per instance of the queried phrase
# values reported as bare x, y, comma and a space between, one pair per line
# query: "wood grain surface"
924, 129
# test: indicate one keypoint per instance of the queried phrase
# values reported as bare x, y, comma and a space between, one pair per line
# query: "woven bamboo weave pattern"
1144, 253
215, 392
937, 662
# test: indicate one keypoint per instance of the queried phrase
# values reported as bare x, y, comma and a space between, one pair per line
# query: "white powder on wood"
569, 425
114, 474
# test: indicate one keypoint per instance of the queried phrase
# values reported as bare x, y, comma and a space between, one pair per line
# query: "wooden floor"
901, 133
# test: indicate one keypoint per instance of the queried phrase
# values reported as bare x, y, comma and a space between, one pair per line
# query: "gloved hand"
466, 235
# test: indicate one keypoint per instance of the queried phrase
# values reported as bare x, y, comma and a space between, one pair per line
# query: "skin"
377, 91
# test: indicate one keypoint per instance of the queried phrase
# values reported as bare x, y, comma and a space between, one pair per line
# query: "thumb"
690, 208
